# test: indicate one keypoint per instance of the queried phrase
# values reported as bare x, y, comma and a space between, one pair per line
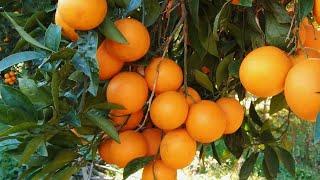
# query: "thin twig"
291, 27
185, 45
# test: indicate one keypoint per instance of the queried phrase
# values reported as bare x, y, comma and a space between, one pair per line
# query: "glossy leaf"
104, 124
135, 165
222, 72
276, 33
247, 166
110, 31
271, 160
203, 80
53, 37
18, 128
152, 12
19, 58
66, 173
305, 7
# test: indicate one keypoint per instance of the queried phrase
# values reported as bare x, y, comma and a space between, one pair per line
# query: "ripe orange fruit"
206, 121
104, 151
153, 138
192, 95
67, 31
316, 10
234, 113
133, 145
169, 110
263, 71
302, 89
127, 122
128, 89
138, 40
11, 73
7, 75
170, 75
158, 170
235, 2
177, 149
309, 35
205, 69
108, 65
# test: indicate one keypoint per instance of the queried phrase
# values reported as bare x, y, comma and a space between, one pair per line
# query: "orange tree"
64, 99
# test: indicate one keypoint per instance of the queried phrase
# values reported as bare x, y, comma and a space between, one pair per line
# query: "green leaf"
287, 160
194, 11
203, 80
66, 173
19, 58
276, 33
21, 43
105, 106
266, 170
305, 7
222, 72
65, 54
60, 160
133, 5
223, 14
31, 148
271, 160
278, 11
14, 98
136, 164
152, 12
52, 37
207, 39
31, 6
104, 124
39, 96
13, 116
24, 34
110, 31
234, 68
254, 115
246, 3
18, 128
317, 130
215, 153
207, 150
85, 59
278, 102
236, 142
247, 166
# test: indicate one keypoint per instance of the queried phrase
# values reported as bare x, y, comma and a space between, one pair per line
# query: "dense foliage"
55, 116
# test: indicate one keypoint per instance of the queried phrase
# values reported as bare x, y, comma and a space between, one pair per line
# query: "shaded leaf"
236, 142
18, 128
276, 33
64, 54
223, 13
66, 173
61, 159
278, 10
265, 169
287, 160
278, 102
31, 148
194, 11
110, 31
135, 165
305, 7
203, 80
271, 160
103, 123
152, 12
247, 166
317, 130
24, 34
254, 115
215, 153
247, 3
105, 106
19, 58
222, 72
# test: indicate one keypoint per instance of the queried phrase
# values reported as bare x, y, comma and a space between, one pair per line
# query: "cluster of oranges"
267, 71
10, 78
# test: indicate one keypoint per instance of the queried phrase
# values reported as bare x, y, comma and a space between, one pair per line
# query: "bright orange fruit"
127, 122
153, 137
158, 170
192, 95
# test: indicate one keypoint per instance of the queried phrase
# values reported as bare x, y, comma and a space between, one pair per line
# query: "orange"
104, 151
206, 121
133, 145
138, 40
83, 14
263, 71
302, 89
153, 138
205, 69
127, 122
128, 89
7, 75
158, 170
235, 2
192, 95
108, 65
177, 149
170, 75
234, 113
309, 36
67, 31
316, 10
11, 73
169, 110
